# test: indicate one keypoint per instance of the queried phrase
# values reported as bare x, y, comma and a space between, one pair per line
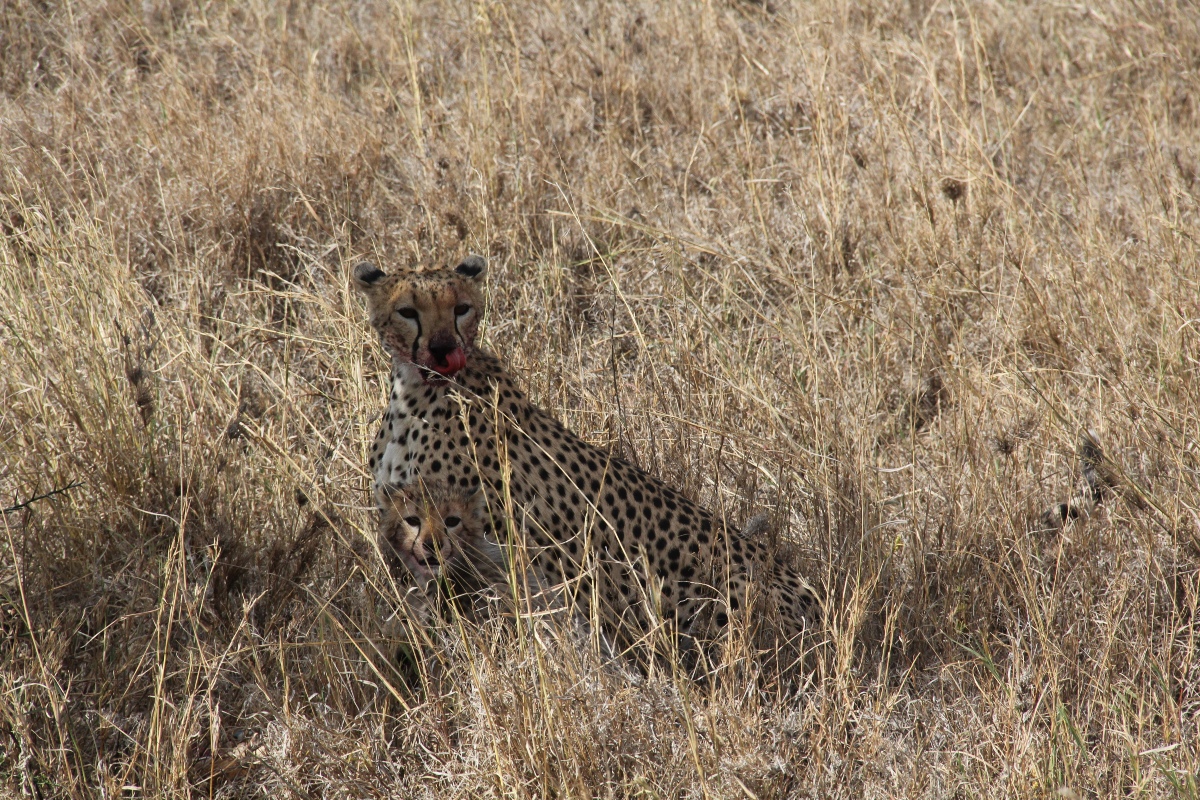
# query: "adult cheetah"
616, 539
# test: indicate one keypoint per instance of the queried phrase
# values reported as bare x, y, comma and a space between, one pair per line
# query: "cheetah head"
426, 318
431, 526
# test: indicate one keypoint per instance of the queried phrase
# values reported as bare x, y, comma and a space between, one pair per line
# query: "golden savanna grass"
873, 269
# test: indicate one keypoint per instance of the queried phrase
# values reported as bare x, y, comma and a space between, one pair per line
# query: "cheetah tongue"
456, 359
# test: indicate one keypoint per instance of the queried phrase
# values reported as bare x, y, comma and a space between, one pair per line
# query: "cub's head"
432, 527
427, 318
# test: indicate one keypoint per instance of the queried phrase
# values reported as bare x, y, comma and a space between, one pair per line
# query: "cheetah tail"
1099, 479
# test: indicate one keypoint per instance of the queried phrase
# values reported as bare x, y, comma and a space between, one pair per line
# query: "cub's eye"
460, 309
414, 522
452, 522
407, 312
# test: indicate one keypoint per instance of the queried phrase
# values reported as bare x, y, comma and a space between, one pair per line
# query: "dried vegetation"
871, 267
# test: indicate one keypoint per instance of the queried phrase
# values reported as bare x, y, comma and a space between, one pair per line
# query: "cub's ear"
756, 527
366, 275
473, 267
477, 501
386, 492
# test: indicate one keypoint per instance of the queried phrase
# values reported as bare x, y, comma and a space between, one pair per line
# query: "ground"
872, 270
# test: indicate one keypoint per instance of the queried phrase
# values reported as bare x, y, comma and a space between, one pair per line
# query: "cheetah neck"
407, 382
411, 393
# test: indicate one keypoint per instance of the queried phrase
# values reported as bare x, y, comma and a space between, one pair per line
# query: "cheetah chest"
422, 435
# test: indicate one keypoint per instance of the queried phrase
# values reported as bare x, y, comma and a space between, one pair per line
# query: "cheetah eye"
452, 522
413, 522
407, 312
461, 309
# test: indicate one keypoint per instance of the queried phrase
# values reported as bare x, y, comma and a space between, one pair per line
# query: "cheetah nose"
440, 350
427, 555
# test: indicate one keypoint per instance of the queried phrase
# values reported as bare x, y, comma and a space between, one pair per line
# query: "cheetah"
619, 540
436, 531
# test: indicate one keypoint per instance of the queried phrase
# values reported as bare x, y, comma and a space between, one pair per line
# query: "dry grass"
871, 269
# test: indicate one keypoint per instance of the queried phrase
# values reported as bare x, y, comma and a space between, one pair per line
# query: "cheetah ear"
367, 276
384, 492
473, 267
476, 500
756, 527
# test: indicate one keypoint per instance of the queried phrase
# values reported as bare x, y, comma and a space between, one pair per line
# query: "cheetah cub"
437, 531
